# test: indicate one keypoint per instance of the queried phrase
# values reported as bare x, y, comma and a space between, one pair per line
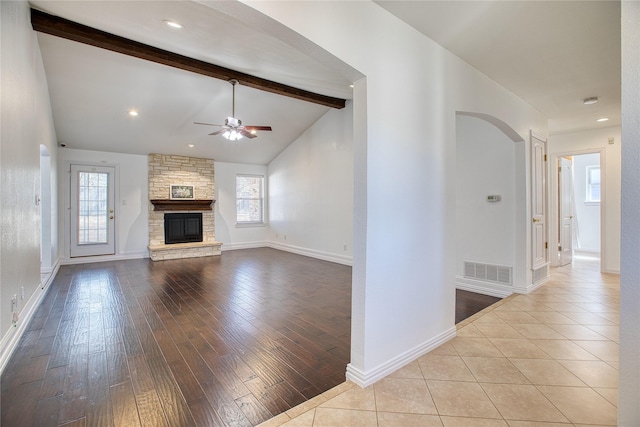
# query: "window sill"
250, 224
592, 203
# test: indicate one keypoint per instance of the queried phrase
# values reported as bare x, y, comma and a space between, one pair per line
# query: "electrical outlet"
285, 237
22, 293
345, 246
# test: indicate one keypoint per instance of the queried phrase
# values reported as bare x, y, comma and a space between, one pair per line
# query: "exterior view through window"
249, 199
92, 204
593, 184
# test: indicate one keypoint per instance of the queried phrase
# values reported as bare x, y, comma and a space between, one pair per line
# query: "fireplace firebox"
182, 228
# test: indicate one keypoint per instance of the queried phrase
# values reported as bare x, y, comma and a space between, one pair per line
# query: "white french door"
538, 203
92, 210
565, 179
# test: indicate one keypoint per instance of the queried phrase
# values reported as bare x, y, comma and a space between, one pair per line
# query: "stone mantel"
182, 205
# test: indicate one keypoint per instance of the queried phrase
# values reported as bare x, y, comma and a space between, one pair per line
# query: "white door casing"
92, 210
565, 214
538, 203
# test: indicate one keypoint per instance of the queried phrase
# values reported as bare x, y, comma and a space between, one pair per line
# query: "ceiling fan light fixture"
232, 135
590, 101
233, 129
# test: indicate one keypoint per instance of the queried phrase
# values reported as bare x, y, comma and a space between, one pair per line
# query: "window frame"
589, 185
262, 221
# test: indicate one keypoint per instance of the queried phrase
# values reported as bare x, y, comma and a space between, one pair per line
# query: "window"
250, 199
593, 184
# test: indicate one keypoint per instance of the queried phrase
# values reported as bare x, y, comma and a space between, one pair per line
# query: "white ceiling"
552, 54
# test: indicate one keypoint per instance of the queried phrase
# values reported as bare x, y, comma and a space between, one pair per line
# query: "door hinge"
559, 169
545, 157
559, 248
546, 245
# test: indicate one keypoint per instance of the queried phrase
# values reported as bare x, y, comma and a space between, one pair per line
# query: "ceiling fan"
233, 129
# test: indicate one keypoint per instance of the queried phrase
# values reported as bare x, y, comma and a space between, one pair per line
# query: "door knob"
111, 217
536, 220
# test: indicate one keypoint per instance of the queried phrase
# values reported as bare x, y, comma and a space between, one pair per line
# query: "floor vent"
488, 272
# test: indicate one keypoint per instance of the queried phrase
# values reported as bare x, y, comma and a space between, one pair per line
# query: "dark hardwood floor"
222, 341
469, 303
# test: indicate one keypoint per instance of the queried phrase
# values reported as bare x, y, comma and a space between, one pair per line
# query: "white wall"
587, 213
590, 141
132, 198
404, 198
236, 237
629, 389
485, 230
311, 191
26, 123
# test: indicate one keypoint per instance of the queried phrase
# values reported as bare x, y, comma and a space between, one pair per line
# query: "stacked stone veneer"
165, 170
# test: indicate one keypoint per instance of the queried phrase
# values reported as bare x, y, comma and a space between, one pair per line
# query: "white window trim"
250, 224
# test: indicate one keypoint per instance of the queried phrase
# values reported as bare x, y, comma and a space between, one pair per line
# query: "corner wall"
629, 388
227, 232
311, 191
132, 200
26, 123
486, 165
590, 141
404, 198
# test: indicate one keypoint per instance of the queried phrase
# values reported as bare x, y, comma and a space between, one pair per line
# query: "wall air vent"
540, 274
488, 272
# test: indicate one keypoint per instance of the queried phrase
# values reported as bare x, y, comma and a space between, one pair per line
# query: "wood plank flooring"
221, 341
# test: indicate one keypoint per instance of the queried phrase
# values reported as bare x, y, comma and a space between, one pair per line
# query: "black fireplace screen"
182, 228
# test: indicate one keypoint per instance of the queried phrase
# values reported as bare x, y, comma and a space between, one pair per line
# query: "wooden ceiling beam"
60, 27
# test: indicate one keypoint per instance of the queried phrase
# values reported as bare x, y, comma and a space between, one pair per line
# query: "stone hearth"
167, 170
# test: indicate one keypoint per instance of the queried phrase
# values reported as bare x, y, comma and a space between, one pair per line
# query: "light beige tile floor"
545, 359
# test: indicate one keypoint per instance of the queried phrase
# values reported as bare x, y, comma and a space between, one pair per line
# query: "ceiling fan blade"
245, 132
250, 128
218, 132
206, 124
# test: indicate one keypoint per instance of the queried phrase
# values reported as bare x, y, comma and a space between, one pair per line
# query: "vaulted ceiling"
552, 54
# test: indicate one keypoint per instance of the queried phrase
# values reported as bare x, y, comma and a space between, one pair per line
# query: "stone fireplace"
168, 170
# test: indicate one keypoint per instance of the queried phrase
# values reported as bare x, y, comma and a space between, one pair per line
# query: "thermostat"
493, 198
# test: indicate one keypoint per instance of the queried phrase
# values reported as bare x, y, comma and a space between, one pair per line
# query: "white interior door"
92, 210
538, 204
565, 192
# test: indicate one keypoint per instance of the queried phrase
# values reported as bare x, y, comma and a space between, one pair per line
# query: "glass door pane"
93, 196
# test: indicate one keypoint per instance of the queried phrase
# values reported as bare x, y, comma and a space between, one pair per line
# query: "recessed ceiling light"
190, 145
133, 113
602, 119
590, 101
351, 86
173, 24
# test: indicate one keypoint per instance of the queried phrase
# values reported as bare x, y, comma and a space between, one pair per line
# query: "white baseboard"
526, 289
10, 340
325, 256
244, 245
485, 288
105, 258
365, 379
